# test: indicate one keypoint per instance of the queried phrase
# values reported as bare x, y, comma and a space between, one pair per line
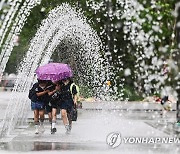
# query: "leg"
69, 116
36, 121
53, 129
41, 113
70, 120
50, 117
64, 117
49, 111
164, 113
65, 121
54, 111
36, 116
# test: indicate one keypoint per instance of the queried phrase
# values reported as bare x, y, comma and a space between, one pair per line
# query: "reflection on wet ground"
86, 135
90, 131
39, 146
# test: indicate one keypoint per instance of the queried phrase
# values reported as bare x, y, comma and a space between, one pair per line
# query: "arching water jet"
62, 23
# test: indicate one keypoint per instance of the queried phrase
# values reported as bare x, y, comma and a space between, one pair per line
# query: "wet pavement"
89, 133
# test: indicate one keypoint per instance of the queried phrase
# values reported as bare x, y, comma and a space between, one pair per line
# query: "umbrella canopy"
54, 71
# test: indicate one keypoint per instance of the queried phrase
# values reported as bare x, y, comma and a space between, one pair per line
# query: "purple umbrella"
54, 71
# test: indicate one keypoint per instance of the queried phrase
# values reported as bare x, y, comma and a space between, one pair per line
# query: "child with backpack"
68, 100
54, 101
38, 95
166, 104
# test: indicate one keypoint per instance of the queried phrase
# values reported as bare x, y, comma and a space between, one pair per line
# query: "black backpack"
32, 91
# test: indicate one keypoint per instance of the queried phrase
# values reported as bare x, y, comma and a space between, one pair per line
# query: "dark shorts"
37, 106
54, 105
48, 108
164, 100
67, 105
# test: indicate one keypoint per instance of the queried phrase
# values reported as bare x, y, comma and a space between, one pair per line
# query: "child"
54, 100
166, 104
48, 106
37, 95
68, 100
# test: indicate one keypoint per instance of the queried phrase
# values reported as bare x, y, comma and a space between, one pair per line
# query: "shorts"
67, 105
48, 108
164, 100
54, 105
37, 106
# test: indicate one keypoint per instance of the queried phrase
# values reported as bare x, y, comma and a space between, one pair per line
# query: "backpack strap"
77, 89
72, 84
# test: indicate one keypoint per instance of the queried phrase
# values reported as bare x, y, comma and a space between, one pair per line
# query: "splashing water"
142, 43
1, 4
64, 26
149, 66
16, 16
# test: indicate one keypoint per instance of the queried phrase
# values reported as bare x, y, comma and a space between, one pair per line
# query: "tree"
136, 35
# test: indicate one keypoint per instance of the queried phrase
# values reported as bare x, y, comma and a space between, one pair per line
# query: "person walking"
54, 101
48, 106
68, 100
166, 104
37, 95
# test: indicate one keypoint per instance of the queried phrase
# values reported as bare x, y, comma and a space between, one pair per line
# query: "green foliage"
105, 20
85, 91
132, 94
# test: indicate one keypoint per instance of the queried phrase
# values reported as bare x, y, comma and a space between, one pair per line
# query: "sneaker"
53, 130
67, 129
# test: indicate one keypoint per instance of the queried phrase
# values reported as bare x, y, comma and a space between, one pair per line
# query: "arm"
56, 89
42, 93
170, 101
34, 91
52, 92
74, 94
75, 99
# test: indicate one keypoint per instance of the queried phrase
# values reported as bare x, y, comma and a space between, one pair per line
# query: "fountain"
64, 26
10, 29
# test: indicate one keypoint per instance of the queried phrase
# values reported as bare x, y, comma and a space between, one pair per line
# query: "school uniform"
66, 100
37, 103
54, 98
48, 107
